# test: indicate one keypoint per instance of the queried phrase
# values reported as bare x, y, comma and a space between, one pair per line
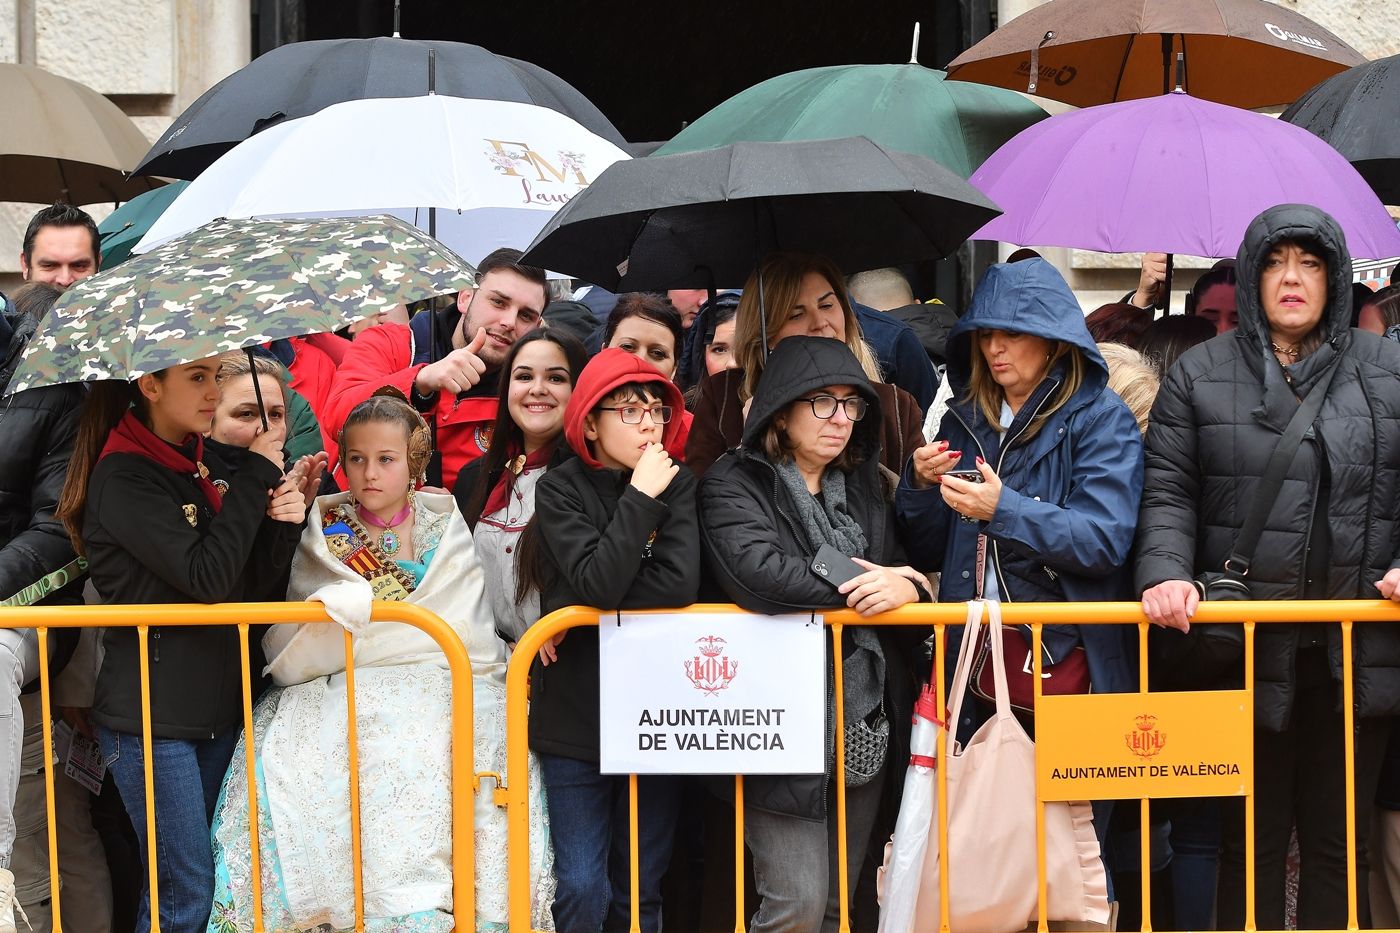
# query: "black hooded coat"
759, 556
1215, 424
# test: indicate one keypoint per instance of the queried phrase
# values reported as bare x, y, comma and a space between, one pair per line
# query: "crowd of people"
516, 450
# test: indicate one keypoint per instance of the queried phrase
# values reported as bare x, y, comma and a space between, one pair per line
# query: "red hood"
605, 372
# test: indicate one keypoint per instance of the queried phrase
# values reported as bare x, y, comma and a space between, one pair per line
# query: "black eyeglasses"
632, 414
824, 406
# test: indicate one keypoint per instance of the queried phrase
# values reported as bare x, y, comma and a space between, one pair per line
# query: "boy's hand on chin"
654, 471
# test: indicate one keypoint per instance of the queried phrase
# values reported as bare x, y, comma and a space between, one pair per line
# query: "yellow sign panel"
1108, 746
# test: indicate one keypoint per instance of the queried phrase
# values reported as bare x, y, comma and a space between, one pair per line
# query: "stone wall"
152, 57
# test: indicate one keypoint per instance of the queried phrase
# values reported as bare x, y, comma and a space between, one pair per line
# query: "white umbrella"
495, 171
918, 815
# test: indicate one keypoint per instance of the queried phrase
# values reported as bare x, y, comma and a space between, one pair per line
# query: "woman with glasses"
807, 480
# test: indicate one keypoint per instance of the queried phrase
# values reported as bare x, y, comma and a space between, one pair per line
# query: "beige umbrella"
63, 141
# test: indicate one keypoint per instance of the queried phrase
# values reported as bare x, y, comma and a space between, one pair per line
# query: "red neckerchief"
130, 436
500, 493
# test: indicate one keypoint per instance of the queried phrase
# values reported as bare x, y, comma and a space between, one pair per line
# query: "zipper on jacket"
1001, 459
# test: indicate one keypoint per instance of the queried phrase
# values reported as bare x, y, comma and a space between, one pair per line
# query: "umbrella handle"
1164, 297
257, 385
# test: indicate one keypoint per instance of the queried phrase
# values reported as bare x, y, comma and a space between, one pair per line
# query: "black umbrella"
1358, 113
697, 219
299, 79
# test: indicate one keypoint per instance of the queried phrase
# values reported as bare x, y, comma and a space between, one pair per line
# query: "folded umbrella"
494, 171
301, 78
694, 220
918, 817
1358, 113
229, 286
1171, 174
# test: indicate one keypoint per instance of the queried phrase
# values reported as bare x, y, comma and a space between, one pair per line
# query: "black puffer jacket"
38, 427
757, 554
1215, 424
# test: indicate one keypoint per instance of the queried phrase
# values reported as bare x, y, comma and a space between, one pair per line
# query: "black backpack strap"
1272, 482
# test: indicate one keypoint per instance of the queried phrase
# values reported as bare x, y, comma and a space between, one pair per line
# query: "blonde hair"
390, 406
782, 275
983, 391
1133, 378
237, 364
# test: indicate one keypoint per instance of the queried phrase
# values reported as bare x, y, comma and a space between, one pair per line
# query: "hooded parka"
757, 553
1063, 527
1217, 419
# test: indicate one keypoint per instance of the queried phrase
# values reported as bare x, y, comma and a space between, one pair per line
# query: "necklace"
388, 540
1291, 351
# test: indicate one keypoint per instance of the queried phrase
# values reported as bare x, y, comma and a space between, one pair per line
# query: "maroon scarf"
130, 436
499, 495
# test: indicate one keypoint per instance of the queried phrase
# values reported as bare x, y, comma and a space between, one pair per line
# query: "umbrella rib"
1207, 241
1123, 65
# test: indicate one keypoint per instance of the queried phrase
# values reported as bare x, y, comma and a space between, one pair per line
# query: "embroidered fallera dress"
402, 697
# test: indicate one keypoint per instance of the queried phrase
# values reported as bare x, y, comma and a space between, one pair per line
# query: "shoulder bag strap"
1272, 481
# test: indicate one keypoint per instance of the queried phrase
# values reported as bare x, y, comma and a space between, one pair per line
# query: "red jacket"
383, 356
313, 369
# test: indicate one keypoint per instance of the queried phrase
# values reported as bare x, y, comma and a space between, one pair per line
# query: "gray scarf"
828, 521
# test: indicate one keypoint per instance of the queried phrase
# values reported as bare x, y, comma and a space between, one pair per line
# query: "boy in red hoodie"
622, 534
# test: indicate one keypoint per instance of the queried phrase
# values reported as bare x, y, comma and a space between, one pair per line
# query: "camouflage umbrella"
231, 285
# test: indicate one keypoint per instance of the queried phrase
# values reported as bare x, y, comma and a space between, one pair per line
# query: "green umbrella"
909, 108
231, 285
126, 225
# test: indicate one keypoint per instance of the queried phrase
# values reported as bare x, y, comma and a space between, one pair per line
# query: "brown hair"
1118, 323
34, 299
983, 391
777, 448
389, 406
782, 275
106, 403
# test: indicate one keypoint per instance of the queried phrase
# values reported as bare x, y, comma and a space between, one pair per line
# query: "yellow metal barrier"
938, 618
142, 618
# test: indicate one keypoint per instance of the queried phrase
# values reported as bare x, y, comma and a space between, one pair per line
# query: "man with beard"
448, 362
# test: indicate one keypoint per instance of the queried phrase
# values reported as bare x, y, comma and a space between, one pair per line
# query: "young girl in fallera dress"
380, 539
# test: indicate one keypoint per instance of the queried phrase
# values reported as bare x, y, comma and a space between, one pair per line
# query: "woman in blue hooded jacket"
1060, 459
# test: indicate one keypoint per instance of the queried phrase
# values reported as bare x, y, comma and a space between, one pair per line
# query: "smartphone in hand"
834, 567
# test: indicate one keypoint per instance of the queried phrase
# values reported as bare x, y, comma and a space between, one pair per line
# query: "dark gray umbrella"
302, 78
1358, 113
695, 219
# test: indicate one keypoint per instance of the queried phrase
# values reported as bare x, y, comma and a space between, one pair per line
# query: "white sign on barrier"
712, 693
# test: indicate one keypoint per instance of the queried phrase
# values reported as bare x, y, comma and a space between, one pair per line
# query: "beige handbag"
991, 825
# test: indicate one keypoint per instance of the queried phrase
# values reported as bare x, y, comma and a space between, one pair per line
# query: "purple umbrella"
1170, 174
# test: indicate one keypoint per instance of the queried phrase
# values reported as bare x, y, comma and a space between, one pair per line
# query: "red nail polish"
955, 453
980, 461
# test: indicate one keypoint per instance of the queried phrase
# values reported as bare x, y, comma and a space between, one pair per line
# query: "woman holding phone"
1031, 492
801, 504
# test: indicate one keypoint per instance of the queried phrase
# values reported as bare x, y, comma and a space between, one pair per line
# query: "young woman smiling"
497, 492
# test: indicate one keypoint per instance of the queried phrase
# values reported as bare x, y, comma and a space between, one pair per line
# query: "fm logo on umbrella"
505, 161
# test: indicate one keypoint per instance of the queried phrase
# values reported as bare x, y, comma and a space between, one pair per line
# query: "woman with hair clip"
806, 295
380, 540
496, 492
162, 520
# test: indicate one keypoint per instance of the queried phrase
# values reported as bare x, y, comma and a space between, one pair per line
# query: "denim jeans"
588, 823
187, 776
794, 861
